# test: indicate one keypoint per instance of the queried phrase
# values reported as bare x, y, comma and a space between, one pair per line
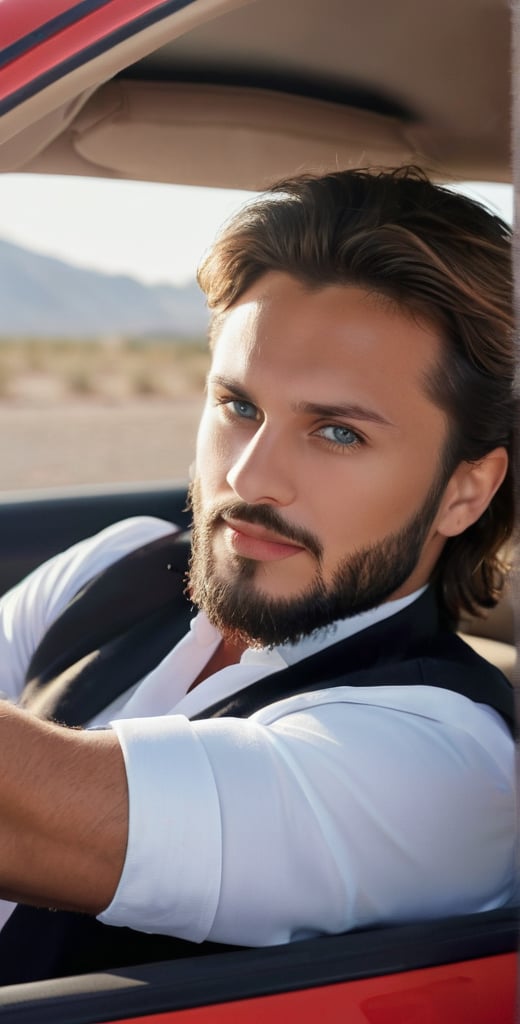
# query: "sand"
89, 441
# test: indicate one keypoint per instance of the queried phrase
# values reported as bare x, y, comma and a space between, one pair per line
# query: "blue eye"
246, 410
342, 436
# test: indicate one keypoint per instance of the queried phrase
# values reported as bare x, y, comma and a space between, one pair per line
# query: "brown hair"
440, 256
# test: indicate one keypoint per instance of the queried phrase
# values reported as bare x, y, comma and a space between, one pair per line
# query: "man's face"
318, 461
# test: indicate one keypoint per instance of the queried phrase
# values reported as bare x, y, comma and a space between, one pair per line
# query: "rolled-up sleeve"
334, 817
172, 872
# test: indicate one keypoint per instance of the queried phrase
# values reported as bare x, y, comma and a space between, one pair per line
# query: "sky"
156, 233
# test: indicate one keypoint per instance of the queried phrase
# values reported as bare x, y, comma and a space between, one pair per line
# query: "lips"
254, 541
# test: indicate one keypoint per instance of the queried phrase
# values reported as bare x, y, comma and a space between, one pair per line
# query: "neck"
227, 653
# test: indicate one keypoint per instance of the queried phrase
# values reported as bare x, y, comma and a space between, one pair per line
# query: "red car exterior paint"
32, 48
19, 19
472, 992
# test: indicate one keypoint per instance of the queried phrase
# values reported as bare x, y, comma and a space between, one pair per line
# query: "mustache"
270, 519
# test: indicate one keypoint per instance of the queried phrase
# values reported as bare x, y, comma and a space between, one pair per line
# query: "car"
234, 94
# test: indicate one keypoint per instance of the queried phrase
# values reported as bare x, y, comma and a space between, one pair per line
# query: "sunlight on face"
317, 457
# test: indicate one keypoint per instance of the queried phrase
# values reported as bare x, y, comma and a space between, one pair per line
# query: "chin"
279, 581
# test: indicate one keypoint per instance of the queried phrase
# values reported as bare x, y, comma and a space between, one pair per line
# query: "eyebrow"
215, 379
347, 410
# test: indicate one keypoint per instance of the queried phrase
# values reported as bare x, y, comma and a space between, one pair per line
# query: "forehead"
328, 342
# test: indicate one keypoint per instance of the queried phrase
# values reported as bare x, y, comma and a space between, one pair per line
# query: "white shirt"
322, 812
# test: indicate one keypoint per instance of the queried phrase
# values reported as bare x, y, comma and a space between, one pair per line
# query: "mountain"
45, 297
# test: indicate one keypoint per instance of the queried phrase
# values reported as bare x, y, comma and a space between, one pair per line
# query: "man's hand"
63, 813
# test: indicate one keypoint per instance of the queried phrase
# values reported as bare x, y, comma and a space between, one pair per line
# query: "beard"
364, 579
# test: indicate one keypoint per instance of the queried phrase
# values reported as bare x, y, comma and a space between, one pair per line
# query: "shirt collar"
288, 654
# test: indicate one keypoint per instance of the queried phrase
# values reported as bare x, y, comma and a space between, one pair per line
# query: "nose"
262, 472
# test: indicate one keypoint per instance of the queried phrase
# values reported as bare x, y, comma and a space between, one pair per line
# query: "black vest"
116, 629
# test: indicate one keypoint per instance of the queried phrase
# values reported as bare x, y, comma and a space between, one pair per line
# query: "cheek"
364, 501
212, 457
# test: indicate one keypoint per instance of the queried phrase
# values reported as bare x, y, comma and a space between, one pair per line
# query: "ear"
469, 491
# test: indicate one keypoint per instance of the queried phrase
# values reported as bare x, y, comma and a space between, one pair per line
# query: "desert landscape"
111, 411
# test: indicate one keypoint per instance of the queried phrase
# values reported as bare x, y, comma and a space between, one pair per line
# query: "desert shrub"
112, 368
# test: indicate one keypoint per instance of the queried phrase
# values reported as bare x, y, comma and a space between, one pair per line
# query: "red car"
220, 92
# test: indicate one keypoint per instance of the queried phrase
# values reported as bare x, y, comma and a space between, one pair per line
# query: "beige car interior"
494, 636
238, 93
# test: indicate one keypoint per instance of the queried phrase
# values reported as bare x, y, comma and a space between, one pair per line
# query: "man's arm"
344, 813
63, 813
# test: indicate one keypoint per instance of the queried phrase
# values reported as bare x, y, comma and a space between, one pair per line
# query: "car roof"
227, 93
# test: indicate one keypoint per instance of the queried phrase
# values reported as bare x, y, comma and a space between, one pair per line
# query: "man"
319, 751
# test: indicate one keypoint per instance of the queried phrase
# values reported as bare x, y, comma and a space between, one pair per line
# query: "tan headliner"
446, 61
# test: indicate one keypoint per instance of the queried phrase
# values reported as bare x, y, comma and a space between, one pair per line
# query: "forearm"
63, 813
